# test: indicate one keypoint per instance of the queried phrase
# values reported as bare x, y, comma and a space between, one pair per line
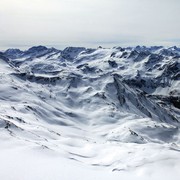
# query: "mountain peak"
37, 48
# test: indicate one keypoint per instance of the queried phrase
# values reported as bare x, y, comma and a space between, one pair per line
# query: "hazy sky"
63, 23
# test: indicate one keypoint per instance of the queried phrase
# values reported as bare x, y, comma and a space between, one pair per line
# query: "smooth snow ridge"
116, 109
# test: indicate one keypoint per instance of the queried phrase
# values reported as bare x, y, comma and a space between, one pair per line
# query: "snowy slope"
106, 110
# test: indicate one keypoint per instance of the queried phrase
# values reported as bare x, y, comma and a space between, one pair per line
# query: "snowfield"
90, 113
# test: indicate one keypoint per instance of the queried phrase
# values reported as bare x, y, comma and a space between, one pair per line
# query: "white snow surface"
90, 113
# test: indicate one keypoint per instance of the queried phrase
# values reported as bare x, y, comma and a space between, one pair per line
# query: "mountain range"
114, 109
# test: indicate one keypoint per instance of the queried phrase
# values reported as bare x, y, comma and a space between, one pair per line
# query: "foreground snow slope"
106, 112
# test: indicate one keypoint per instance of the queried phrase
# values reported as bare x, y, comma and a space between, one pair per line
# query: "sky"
90, 23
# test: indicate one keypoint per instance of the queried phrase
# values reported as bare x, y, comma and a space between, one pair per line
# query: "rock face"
97, 97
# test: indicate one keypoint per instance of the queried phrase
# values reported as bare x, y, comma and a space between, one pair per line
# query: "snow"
71, 115
27, 162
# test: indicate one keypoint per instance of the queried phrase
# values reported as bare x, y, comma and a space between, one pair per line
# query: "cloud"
86, 21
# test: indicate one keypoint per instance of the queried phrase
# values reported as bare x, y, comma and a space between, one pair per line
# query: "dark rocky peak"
174, 48
13, 51
36, 49
32, 52
150, 49
142, 55
88, 51
134, 54
119, 48
140, 48
154, 48
172, 70
129, 48
154, 59
3, 57
70, 53
169, 52
73, 49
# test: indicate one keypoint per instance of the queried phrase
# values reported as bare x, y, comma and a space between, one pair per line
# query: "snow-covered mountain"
116, 109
